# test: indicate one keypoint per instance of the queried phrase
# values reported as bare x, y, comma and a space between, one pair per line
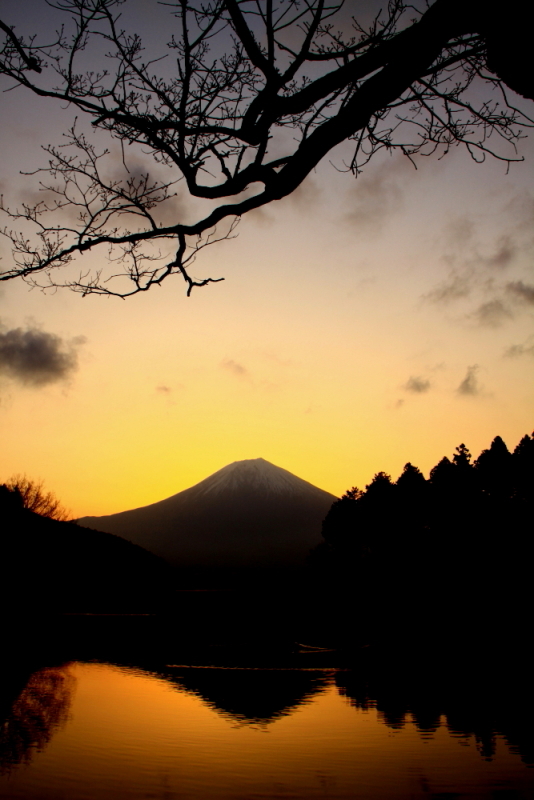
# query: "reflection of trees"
252, 695
480, 709
37, 712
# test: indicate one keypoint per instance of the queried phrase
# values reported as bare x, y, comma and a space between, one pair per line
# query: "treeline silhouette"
441, 559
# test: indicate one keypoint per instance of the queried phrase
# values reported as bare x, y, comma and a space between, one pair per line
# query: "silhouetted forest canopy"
449, 554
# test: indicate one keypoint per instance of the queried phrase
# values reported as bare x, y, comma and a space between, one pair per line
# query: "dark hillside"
47, 565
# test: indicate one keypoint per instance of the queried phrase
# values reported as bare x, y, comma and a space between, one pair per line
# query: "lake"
88, 730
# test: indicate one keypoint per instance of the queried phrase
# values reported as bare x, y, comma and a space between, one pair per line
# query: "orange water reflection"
133, 735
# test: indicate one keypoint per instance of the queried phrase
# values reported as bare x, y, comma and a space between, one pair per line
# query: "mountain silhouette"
250, 513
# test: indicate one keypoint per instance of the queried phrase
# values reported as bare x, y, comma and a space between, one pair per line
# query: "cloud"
469, 387
518, 350
36, 358
505, 252
492, 314
456, 286
377, 196
521, 209
236, 369
521, 291
459, 231
416, 385
274, 358
475, 258
261, 216
466, 246
169, 392
43, 196
306, 195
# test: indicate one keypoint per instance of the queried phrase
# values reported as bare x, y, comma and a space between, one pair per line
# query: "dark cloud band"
469, 387
417, 385
35, 357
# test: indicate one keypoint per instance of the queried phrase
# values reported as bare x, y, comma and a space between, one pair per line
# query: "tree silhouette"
437, 548
33, 497
412, 480
217, 114
494, 470
523, 467
412, 503
441, 476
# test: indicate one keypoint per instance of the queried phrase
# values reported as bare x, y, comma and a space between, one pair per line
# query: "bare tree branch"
210, 110
34, 497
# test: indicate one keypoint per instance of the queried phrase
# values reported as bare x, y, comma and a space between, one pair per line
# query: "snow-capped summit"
255, 474
249, 513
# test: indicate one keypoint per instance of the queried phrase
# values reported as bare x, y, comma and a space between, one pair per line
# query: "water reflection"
170, 732
40, 709
253, 695
470, 708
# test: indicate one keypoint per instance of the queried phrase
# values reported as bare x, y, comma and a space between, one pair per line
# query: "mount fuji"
248, 514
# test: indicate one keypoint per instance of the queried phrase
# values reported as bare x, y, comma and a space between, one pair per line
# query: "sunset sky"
362, 323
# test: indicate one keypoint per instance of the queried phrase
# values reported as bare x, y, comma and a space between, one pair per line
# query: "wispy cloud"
169, 392
521, 208
307, 195
476, 262
470, 387
377, 196
277, 360
500, 309
417, 385
504, 252
492, 314
456, 286
518, 350
235, 368
523, 292
459, 231
35, 358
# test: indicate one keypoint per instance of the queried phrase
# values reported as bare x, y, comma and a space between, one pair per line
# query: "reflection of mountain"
37, 712
248, 513
252, 695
